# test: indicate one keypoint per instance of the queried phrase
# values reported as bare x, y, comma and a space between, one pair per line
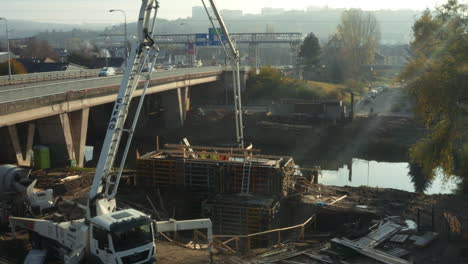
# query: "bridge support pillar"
65, 135
22, 158
183, 101
176, 104
75, 128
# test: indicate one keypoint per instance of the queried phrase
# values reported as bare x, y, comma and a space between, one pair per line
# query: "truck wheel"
35, 240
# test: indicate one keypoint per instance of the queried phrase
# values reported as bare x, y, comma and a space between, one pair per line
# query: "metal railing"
47, 76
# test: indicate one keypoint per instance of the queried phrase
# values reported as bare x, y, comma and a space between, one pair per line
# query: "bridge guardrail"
47, 76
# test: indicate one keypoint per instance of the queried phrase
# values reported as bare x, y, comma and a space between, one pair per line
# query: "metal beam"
173, 226
237, 37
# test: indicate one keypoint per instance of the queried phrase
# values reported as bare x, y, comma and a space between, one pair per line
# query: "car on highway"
168, 67
107, 71
382, 88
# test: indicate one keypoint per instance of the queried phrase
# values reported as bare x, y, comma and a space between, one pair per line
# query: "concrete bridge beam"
75, 128
66, 134
183, 102
176, 103
22, 158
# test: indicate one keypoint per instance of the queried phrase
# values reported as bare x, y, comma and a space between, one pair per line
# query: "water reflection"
396, 175
420, 182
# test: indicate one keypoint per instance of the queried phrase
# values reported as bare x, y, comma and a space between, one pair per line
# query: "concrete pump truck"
107, 234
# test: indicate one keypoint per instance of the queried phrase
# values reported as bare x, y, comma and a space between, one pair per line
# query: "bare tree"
34, 48
359, 34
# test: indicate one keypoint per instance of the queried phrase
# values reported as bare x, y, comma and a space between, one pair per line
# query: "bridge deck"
13, 93
27, 102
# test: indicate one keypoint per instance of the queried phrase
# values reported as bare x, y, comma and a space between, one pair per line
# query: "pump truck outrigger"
107, 234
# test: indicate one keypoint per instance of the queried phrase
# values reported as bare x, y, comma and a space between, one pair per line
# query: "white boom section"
234, 56
101, 198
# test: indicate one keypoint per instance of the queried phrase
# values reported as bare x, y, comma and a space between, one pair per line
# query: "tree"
437, 76
332, 68
309, 52
82, 59
35, 48
359, 34
16, 67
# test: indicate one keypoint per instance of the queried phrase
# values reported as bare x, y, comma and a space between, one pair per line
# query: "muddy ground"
361, 204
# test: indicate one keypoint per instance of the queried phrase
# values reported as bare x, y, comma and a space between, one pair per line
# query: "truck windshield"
132, 237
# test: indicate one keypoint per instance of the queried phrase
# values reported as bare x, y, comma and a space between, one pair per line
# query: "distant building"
269, 11
394, 54
4, 56
379, 59
199, 12
62, 53
119, 52
229, 14
315, 8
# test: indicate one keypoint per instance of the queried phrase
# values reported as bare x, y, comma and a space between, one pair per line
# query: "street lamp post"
125, 26
8, 48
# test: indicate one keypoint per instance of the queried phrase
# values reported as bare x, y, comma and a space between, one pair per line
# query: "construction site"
263, 209
225, 202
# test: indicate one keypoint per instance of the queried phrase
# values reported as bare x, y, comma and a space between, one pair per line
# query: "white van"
107, 71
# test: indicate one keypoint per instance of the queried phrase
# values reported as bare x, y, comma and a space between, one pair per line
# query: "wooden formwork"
156, 172
200, 176
268, 177
263, 179
241, 214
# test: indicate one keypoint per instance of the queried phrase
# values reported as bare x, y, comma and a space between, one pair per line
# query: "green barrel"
41, 157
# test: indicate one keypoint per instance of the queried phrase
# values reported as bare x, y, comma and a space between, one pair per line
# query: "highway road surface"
12, 93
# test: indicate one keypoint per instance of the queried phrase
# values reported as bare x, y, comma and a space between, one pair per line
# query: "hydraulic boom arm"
101, 198
235, 61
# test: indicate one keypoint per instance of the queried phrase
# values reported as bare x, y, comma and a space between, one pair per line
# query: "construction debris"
385, 230
399, 238
370, 252
425, 239
398, 252
245, 225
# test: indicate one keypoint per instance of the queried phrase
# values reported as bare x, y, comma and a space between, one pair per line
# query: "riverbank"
381, 138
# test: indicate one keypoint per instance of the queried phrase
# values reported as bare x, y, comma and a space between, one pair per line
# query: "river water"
382, 174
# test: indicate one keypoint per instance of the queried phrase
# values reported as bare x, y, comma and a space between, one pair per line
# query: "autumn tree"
16, 67
437, 76
359, 35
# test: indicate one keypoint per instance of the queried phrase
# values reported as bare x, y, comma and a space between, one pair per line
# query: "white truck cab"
122, 237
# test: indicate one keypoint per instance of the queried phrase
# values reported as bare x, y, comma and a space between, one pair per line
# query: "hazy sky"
95, 11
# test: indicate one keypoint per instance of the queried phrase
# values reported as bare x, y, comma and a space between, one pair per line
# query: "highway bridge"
57, 111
